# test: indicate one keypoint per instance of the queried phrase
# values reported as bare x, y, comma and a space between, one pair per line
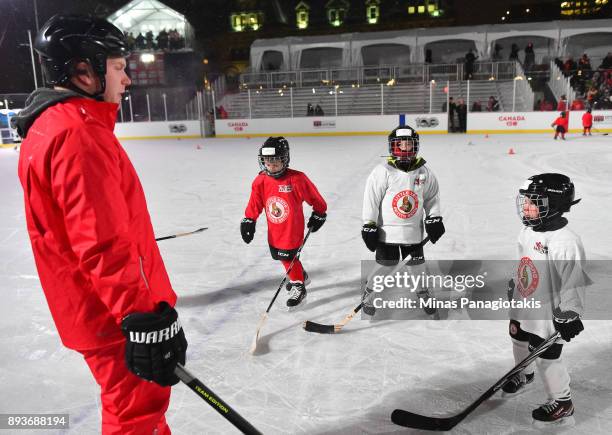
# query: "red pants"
130, 405
297, 272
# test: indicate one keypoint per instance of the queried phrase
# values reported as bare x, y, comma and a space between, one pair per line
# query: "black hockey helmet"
407, 135
65, 40
552, 194
274, 149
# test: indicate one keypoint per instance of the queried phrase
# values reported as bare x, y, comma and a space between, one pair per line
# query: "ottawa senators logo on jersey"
277, 210
540, 248
528, 277
405, 204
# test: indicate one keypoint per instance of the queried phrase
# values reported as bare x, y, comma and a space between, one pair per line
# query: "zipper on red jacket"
144, 277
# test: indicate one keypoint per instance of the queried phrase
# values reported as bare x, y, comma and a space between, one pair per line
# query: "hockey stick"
332, 329
174, 236
599, 132
264, 317
213, 400
417, 421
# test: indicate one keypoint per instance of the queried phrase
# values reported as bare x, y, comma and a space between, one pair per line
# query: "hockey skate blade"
256, 337
564, 422
318, 328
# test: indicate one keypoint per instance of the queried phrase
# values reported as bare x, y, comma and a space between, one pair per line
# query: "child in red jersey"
561, 123
281, 192
587, 122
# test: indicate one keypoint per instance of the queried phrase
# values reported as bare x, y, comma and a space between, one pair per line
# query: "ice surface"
301, 382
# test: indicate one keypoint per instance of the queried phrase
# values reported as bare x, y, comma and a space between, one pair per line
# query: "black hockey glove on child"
247, 229
434, 228
316, 221
568, 323
369, 234
155, 344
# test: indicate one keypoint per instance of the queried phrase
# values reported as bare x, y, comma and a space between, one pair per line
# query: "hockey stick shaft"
264, 316
417, 421
331, 329
174, 236
213, 400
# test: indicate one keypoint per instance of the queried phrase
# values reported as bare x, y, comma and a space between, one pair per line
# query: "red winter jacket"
88, 222
563, 122
282, 200
587, 119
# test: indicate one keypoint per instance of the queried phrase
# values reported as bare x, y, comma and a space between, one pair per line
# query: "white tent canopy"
451, 41
148, 15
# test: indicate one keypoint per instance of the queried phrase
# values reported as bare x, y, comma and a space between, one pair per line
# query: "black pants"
390, 255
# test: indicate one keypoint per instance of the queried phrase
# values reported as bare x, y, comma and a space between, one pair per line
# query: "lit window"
302, 20
565, 5
236, 22
373, 12
603, 2
431, 8
421, 9
411, 9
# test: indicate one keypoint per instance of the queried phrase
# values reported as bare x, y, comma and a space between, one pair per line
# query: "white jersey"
551, 271
397, 201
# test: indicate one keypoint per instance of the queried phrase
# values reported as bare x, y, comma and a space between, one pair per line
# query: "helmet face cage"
533, 208
407, 138
274, 150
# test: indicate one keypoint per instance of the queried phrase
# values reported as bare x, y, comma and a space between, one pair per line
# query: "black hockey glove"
247, 229
434, 228
369, 233
155, 344
568, 323
316, 221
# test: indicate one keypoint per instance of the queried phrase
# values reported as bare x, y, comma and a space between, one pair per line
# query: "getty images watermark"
485, 289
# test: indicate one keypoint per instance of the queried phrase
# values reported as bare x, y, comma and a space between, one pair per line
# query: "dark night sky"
209, 17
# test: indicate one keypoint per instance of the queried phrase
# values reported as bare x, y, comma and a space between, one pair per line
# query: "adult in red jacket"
91, 234
587, 122
280, 191
561, 125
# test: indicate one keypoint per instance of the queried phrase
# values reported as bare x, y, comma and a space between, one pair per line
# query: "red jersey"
88, 222
282, 200
587, 119
563, 122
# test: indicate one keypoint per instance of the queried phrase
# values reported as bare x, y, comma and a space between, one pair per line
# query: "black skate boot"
424, 297
306, 281
297, 295
516, 384
554, 413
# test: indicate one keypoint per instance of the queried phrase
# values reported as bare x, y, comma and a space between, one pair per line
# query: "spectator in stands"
309, 110
587, 122
452, 107
497, 52
222, 113
607, 62
319, 111
584, 63
140, 41
162, 40
592, 96
462, 115
492, 104
569, 66
131, 41
476, 106
514, 51
428, 56
546, 106
529, 57
577, 104
470, 58
562, 104
150, 45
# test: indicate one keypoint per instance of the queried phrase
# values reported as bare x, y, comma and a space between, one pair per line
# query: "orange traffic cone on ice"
511, 151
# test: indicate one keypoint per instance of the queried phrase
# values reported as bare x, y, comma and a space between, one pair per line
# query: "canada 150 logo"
405, 204
277, 210
528, 277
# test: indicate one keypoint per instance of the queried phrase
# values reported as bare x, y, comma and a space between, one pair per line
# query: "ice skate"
554, 413
516, 384
297, 295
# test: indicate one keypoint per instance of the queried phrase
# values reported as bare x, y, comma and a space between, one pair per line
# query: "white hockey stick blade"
259, 326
